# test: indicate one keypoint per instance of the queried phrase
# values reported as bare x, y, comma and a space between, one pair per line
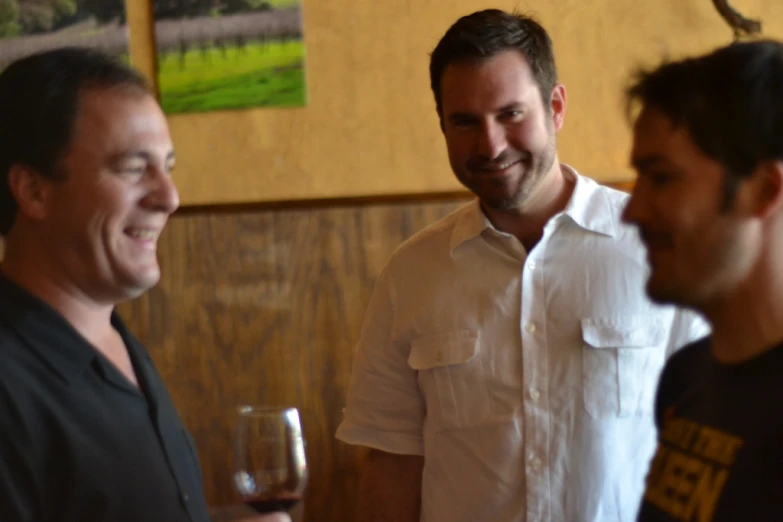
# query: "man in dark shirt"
88, 432
708, 202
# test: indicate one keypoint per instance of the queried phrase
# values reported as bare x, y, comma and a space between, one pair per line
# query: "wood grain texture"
264, 307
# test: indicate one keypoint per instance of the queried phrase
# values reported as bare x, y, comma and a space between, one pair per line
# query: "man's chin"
499, 205
664, 294
498, 201
137, 283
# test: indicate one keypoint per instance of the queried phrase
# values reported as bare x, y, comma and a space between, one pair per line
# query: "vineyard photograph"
229, 54
30, 26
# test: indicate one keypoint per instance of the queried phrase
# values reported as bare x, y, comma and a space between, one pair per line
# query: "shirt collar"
471, 222
586, 207
48, 333
589, 206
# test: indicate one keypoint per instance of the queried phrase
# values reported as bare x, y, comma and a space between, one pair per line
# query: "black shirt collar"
50, 335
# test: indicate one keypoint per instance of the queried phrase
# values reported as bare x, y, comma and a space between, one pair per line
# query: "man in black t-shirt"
708, 203
88, 432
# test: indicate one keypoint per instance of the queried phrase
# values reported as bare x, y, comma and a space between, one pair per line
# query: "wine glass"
270, 469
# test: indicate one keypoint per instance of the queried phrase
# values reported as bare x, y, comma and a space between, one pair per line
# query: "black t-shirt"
78, 442
720, 440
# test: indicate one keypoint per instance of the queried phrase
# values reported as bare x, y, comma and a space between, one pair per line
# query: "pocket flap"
623, 332
445, 349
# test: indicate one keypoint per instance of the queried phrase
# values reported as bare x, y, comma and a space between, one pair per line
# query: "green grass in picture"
271, 74
282, 4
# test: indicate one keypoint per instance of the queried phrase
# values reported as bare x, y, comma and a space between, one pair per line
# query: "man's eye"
660, 178
133, 170
463, 123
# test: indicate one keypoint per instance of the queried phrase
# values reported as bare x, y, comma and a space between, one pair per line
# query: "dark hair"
730, 102
39, 101
484, 34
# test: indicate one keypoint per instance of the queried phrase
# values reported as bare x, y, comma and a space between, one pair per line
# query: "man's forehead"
658, 140
113, 108
489, 85
96, 101
653, 127
117, 123
509, 64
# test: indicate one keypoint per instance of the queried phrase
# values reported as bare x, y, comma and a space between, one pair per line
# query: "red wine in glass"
272, 504
270, 468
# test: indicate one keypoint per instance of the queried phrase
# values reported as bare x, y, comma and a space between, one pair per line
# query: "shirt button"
535, 394
530, 327
185, 497
531, 265
535, 464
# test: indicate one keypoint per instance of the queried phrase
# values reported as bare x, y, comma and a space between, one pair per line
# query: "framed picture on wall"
229, 54
30, 26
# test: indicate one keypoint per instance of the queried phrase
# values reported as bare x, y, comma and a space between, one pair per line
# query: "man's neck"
92, 320
749, 322
527, 222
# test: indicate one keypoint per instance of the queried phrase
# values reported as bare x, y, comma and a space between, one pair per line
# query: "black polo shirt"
78, 442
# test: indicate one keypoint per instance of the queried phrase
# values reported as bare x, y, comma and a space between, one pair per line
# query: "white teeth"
142, 234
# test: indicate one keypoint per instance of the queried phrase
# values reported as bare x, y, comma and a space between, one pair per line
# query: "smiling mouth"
144, 234
497, 169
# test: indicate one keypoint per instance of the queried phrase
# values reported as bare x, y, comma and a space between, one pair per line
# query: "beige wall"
370, 127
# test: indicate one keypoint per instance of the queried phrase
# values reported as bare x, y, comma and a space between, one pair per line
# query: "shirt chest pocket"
621, 362
452, 378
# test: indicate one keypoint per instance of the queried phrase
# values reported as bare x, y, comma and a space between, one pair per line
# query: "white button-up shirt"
527, 381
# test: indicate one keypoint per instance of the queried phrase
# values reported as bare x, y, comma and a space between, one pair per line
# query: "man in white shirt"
509, 356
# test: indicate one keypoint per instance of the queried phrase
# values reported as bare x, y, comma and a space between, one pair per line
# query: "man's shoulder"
17, 380
616, 200
684, 368
690, 357
26, 377
16, 363
599, 207
614, 195
434, 238
12, 352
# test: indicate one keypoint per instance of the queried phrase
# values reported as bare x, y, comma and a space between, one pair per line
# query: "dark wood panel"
264, 307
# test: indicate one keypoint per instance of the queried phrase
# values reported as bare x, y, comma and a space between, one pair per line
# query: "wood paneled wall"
264, 307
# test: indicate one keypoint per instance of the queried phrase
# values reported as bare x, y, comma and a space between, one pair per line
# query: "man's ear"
558, 106
763, 190
30, 191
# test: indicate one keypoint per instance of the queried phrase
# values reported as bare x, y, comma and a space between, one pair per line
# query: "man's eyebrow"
140, 154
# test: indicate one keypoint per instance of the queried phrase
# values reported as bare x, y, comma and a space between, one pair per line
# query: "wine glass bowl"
270, 466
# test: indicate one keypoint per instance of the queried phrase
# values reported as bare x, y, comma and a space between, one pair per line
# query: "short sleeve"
384, 407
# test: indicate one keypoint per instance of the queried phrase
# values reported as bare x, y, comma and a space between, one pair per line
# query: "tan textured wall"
370, 127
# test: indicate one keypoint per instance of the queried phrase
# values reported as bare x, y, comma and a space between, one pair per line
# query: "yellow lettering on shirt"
690, 469
706, 495
717, 446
